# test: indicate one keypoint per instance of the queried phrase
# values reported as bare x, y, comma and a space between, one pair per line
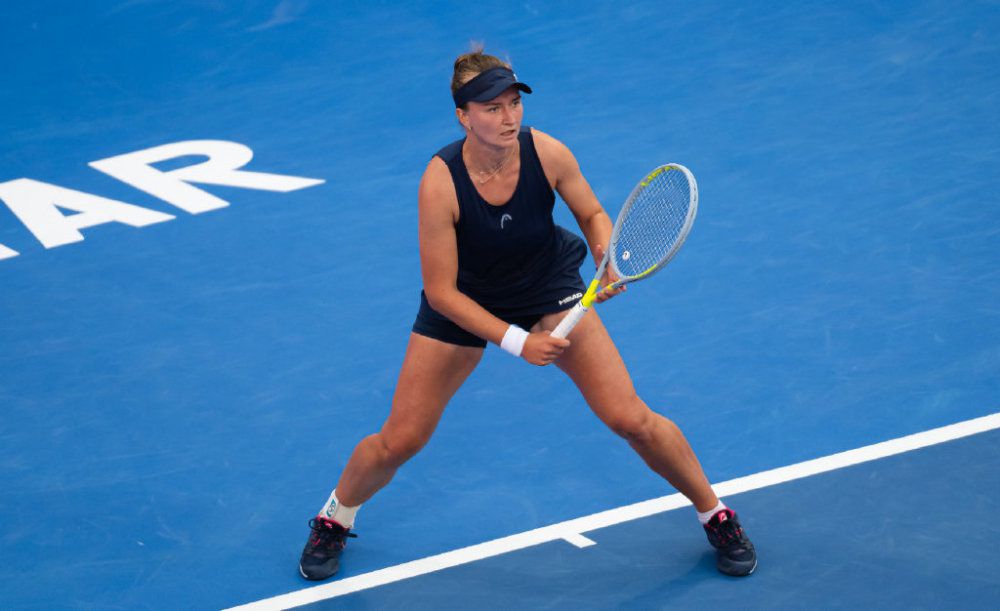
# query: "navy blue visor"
488, 85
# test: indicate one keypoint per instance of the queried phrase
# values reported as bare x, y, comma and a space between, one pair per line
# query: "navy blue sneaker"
734, 554
321, 556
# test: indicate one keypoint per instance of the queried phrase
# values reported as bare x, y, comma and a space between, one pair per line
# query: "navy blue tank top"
513, 257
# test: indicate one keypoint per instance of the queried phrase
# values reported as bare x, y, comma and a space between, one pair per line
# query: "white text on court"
37, 204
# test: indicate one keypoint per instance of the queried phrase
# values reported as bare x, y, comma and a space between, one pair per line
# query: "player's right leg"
432, 372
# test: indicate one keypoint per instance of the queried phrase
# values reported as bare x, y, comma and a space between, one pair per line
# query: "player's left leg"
593, 363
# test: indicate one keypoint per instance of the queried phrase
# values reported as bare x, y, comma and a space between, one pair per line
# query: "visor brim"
497, 89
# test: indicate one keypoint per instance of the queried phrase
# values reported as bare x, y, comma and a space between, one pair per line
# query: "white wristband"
513, 340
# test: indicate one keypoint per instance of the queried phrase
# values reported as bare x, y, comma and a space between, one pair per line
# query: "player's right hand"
609, 278
541, 348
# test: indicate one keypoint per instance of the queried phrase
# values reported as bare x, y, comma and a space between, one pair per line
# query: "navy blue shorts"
433, 324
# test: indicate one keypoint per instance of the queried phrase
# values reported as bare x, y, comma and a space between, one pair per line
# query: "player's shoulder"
555, 156
436, 186
437, 169
546, 144
436, 176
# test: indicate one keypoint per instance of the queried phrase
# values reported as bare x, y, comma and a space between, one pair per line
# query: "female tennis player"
497, 269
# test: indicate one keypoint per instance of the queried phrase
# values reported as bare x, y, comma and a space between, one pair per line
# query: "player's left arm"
563, 172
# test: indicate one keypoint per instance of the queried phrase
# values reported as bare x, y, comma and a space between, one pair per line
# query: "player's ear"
463, 117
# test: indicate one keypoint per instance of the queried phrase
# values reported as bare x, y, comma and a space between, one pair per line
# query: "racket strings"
653, 225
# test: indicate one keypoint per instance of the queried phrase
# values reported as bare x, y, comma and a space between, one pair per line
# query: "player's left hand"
609, 277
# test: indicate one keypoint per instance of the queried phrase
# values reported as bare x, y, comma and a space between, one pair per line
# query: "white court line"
570, 530
578, 540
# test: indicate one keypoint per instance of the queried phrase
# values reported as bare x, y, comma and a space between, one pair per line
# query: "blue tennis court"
194, 340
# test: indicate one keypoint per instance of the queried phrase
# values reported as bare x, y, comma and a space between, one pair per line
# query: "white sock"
705, 516
341, 514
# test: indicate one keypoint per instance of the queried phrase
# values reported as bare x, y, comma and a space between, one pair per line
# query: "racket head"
654, 222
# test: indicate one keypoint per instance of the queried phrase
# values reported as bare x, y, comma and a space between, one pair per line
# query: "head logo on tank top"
504, 219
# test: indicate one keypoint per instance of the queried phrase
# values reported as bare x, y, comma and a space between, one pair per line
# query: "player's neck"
484, 159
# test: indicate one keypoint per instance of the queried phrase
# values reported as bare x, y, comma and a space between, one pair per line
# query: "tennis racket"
651, 228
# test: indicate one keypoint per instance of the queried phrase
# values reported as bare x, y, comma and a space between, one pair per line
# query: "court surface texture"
193, 340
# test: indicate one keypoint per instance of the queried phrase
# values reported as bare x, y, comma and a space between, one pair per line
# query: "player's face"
495, 122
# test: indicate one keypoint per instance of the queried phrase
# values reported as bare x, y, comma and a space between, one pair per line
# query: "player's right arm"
438, 213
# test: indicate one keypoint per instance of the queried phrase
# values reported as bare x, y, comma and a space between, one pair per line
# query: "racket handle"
569, 321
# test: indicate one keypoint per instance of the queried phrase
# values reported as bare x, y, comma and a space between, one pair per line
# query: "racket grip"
569, 321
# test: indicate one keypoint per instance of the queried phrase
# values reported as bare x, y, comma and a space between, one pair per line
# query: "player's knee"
635, 425
398, 448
